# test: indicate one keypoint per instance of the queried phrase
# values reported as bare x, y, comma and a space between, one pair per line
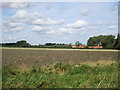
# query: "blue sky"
58, 22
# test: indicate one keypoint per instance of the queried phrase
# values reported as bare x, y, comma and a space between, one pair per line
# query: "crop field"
64, 68
29, 57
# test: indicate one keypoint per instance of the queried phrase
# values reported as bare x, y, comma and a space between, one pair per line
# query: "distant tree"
23, 43
77, 43
50, 44
8, 44
117, 43
107, 41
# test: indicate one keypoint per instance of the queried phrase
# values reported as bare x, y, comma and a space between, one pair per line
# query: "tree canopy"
22, 43
117, 43
107, 41
77, 43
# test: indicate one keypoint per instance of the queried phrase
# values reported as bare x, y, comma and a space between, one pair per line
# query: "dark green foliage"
50, 45
62, 76
25, 44
107, 41
22, 43
78, 43
117, 43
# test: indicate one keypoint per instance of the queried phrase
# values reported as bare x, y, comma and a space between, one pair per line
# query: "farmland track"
32, 56
61, 49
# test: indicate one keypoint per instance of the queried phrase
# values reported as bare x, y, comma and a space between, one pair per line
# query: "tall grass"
62, 75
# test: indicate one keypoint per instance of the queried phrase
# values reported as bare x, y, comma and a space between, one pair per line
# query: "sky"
57, 22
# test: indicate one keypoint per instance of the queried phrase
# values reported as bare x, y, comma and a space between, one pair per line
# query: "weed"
62, 75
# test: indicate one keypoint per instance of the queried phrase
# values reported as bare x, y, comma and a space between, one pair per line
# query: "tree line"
107, 41
25, 44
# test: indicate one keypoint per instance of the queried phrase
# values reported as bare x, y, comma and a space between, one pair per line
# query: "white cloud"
37, 15
12, 29
71, 30
23, 19
14, 24
67, 30
41, 28
113, 27
10, 25
16, 29
9, 39
79, 27
74, 28
85, 12
77, 24
48, 21
39, 21
14, 4
38, 28
21, 14
51, 32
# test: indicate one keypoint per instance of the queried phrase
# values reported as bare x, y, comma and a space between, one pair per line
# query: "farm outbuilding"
83, 46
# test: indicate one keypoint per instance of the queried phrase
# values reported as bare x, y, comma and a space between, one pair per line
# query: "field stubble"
22, 57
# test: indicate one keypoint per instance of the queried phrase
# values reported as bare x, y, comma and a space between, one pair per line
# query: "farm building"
83, 46
74, 46
95, 46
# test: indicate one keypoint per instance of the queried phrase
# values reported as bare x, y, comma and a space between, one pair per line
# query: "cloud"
113, 27
67, 30
21, 14
13, 24
80, 27
12, 29
9, 39
16, 29
23, 19
35, 18
85, 12
39, 21
55, 22
77, 24
41, 28
51, 32
48, 21
14, 5
71, 30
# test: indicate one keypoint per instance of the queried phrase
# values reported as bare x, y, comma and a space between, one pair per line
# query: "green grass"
62, 75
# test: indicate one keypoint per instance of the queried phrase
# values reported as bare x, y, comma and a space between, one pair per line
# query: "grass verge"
62, 75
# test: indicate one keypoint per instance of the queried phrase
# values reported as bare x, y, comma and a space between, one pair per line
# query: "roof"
82, 46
